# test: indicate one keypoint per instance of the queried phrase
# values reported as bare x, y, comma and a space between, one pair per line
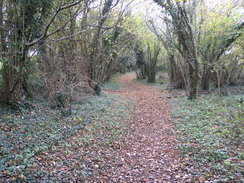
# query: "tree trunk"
175, 75
172, 69
205, 80
193, 81
151, 76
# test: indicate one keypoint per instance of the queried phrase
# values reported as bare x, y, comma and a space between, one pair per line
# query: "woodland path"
149, 154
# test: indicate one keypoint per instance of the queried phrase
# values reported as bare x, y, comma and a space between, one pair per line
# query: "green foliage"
1, 86
33, 78
113, 85
160, 83
219, 27
35, 12
211, 133
108, 126
137, 26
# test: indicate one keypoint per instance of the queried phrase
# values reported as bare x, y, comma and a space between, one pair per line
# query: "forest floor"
148, 153
134, 132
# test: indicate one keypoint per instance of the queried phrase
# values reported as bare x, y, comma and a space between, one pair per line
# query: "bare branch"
45, 34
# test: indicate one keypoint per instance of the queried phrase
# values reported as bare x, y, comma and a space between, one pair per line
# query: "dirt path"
149, 154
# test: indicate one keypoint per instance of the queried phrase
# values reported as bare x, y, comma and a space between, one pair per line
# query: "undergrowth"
113, 84
40, 145
211, 131
159, 84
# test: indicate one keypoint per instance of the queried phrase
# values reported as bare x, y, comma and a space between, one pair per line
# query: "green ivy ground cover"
160, 84
211, 134
42, 146
113, 84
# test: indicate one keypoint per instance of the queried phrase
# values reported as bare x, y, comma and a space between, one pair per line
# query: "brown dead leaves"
148, 153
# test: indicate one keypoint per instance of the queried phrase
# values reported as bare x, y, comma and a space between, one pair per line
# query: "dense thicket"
65, 48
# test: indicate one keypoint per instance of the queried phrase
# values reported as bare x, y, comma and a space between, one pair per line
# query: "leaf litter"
148, 153
111, 139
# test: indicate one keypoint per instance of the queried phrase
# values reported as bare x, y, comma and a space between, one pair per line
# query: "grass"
159, 84
42, 145
113, 84
211, 131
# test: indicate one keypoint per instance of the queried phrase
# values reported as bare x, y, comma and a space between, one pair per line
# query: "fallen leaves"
96, 145
148, 153
43, 146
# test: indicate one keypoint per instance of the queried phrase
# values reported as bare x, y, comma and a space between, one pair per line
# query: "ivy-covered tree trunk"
182, 26
12, 75
152, 77
151, 62
175, 75
193, 81
14, 55
205, 79
141, 70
